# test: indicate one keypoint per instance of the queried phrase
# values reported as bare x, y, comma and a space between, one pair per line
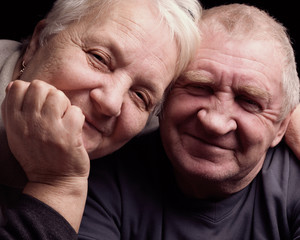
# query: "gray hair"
181, 17
243, 21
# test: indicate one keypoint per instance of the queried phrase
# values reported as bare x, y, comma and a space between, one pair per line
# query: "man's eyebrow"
254, 92
197, 77
251, 91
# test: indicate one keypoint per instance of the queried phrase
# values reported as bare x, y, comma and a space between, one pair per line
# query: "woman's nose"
216, 121
108, 100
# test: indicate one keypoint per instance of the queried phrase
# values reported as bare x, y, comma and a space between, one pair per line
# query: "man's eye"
250, 105
199, 89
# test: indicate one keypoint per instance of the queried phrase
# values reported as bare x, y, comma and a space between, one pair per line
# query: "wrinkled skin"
84, 94
222, 116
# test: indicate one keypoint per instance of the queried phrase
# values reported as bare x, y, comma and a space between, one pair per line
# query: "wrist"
67, 197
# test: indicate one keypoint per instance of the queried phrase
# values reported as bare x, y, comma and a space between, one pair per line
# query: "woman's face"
115, 69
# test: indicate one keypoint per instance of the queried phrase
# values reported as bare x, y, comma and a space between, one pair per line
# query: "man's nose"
109, 99
216, 121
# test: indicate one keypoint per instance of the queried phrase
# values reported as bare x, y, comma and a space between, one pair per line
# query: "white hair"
181, 17
242, 21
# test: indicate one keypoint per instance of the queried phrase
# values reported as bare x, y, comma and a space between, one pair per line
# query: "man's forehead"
242, 86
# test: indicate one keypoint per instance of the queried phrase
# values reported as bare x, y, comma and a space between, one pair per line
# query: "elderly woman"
90, 77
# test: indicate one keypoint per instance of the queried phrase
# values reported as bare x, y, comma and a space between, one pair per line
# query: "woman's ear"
34, 43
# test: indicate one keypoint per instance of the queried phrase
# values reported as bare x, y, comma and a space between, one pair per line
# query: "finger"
73, 119
8, 87
15, 93
13, 101
35, 97
55, 105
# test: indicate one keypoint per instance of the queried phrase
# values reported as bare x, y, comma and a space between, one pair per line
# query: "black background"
18, 17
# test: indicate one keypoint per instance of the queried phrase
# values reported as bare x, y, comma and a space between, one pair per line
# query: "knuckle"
37, 83
76, 110
58, 95
17, 84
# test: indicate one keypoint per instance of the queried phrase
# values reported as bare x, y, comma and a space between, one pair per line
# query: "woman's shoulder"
7, 47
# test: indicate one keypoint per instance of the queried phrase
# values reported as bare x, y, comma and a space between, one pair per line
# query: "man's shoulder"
281, 171
277, 192
281, 158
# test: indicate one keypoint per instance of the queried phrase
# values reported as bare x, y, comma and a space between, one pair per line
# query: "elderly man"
218, 168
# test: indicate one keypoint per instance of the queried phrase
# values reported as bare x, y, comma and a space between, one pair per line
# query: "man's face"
223, 114
115, 69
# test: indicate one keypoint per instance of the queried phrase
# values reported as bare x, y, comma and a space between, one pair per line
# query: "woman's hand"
44, 133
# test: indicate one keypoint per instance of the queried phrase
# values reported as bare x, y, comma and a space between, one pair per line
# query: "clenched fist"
44, 131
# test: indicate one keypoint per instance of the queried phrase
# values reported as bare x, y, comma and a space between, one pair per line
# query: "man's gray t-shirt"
133, 196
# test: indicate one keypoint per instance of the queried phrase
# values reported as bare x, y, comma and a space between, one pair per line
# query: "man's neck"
204, 188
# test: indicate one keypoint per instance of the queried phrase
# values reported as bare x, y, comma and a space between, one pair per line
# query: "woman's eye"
100, 61
140, 95
142, 100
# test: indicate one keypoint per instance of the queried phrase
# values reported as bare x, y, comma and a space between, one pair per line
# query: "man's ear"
34, 43
282, 129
